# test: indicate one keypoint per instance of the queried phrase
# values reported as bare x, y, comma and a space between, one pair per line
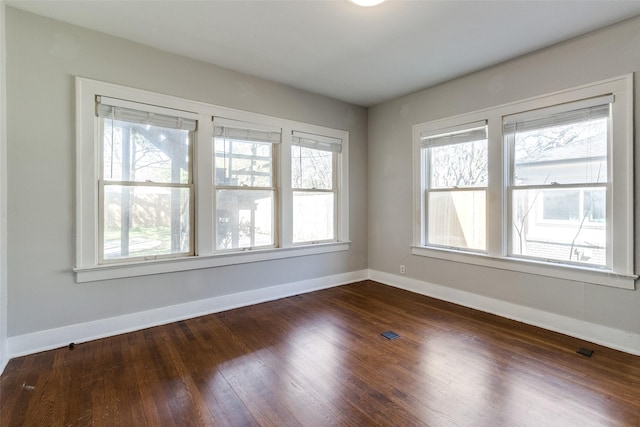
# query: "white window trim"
622, 274
87, 266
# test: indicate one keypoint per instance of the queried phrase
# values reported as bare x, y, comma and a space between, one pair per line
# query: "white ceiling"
332, 47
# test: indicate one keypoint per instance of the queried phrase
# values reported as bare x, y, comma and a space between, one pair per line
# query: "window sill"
144, 268
578, 274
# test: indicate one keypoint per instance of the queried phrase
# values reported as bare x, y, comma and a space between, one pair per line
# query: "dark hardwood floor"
318, 359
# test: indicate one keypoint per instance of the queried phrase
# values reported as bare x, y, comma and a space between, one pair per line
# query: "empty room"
319, 212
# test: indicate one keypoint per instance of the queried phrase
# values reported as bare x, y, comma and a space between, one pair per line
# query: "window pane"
575, 239
142, 153
595, 205
311, 169
565, 154
561, 205
145, 221
313, 216
244, 218
459, 165
457, 219
243, 163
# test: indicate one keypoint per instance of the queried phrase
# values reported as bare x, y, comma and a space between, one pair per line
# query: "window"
456, 186
313, 181
146, 185
542, 186
166, 184
559, 182
244, 184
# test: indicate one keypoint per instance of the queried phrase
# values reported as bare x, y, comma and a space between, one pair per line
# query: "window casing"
230, 166
559, 185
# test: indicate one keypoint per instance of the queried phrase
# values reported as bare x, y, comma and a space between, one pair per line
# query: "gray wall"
3, 208
42, 57
600, 55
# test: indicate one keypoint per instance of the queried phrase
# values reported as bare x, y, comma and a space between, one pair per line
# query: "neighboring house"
560, 222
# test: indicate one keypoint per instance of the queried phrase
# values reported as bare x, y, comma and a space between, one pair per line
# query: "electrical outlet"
401, 268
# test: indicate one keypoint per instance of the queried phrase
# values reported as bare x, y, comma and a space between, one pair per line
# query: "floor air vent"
390, 335
585, 351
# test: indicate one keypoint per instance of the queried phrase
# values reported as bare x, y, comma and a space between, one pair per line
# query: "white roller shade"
565, 114
317, 142
456, 135
245, 131
133, 112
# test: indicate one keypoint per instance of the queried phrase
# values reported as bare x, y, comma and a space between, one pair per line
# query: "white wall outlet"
401, 268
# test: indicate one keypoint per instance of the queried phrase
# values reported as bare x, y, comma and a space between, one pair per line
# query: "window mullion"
204, 193
421, 234
342, 189
496, 211
285, 202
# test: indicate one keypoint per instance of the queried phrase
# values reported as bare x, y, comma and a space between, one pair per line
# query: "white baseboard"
3, 363
59, 337
609, 337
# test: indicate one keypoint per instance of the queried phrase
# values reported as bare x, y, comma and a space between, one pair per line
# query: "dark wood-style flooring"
318, 359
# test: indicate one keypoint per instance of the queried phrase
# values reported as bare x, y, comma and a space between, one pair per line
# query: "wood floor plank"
367, 365
318, 360
297, 376
203, 361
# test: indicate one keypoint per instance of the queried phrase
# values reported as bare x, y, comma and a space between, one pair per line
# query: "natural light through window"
146, 184
541, 186
559, 187
168, 184
313, 179
456, 188
244, 183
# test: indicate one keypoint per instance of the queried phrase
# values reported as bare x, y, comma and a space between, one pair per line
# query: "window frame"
549, 115
430, 188
333, 190
88, 267
620, 151
275, 150
103, 182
